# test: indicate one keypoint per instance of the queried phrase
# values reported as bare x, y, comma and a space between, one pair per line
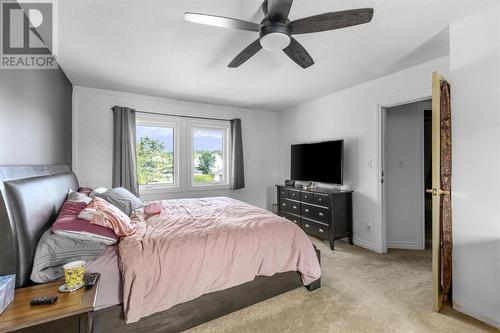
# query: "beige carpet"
361, 292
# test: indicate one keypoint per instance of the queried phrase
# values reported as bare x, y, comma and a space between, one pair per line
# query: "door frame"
416, 96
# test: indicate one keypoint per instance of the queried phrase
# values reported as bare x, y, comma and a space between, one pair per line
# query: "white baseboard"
460, 308
364, 244
404, 246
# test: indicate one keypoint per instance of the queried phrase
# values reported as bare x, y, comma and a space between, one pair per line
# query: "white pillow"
78, 197
98, 190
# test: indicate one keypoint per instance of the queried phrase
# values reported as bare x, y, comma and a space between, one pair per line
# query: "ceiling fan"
276, 30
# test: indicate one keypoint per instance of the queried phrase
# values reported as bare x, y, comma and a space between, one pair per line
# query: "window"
209, 153
157, 150
176, 154
155, 155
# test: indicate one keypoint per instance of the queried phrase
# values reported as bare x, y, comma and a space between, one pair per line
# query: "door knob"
437, 192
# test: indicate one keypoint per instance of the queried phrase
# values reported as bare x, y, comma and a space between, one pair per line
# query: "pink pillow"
101, 212
153, 208
68, 224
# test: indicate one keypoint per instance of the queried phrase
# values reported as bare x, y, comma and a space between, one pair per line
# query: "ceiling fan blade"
246, 54
332, 21
298, 54
220, 21
278, 10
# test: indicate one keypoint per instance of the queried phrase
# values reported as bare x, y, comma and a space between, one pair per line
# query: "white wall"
93, 141
404, 175
475, 91
352, 114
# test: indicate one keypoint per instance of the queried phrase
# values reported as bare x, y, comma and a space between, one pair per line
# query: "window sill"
149, 191
159, 189
209, 187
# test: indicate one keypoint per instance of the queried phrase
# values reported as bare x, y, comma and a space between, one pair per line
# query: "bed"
31, 198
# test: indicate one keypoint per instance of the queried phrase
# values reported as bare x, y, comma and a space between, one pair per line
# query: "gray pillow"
54, 251
122, 198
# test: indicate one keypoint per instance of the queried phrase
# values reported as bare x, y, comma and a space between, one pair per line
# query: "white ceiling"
146, 47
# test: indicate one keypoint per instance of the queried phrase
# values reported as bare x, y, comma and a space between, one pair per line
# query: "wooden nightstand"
70, 313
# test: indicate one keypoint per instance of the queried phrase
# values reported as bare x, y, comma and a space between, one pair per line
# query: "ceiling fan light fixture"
275, 41
276, 29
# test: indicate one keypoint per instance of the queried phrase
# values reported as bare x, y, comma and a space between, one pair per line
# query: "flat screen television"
318, 162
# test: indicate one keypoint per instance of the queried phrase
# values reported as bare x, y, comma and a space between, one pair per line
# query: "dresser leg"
331, 244
350, 239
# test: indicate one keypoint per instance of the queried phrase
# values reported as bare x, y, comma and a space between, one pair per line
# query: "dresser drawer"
321, 199
307, 197
283, 192
290, 206
294, 194
321, 214
315, 228
291, 217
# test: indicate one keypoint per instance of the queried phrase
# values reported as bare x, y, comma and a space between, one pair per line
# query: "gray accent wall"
35, 117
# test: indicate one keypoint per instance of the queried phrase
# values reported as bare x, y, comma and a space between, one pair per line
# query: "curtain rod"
176, 115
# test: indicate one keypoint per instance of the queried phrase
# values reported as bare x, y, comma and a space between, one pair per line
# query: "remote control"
43, 300
90, 279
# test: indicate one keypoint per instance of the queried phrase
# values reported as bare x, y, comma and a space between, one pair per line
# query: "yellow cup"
73, 274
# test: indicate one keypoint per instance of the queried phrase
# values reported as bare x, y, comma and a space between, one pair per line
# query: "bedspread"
198, 246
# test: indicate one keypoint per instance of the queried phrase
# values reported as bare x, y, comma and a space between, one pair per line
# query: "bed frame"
30, 198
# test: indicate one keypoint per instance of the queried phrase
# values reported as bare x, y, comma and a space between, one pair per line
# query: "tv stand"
322, 212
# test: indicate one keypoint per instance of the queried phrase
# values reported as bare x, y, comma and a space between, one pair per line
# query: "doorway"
407, 159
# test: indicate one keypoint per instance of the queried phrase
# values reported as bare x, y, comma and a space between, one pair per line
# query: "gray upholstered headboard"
30, 198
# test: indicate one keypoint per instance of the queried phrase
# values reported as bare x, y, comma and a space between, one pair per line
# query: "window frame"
226, 153
183, 153
153, 120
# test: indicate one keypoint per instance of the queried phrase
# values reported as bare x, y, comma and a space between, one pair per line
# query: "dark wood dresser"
322, 212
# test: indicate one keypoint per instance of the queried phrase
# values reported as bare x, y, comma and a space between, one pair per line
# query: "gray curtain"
237, 169
124, 159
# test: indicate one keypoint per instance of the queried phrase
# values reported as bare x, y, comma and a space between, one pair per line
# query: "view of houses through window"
208, 155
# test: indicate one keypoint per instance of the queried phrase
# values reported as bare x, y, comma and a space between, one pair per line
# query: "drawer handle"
294, 207
283, 204
320, 230
294, 221
319, 199
307, 225
321, 214
305, 197
306, 210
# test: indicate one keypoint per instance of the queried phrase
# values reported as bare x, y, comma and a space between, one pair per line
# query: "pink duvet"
197, 246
